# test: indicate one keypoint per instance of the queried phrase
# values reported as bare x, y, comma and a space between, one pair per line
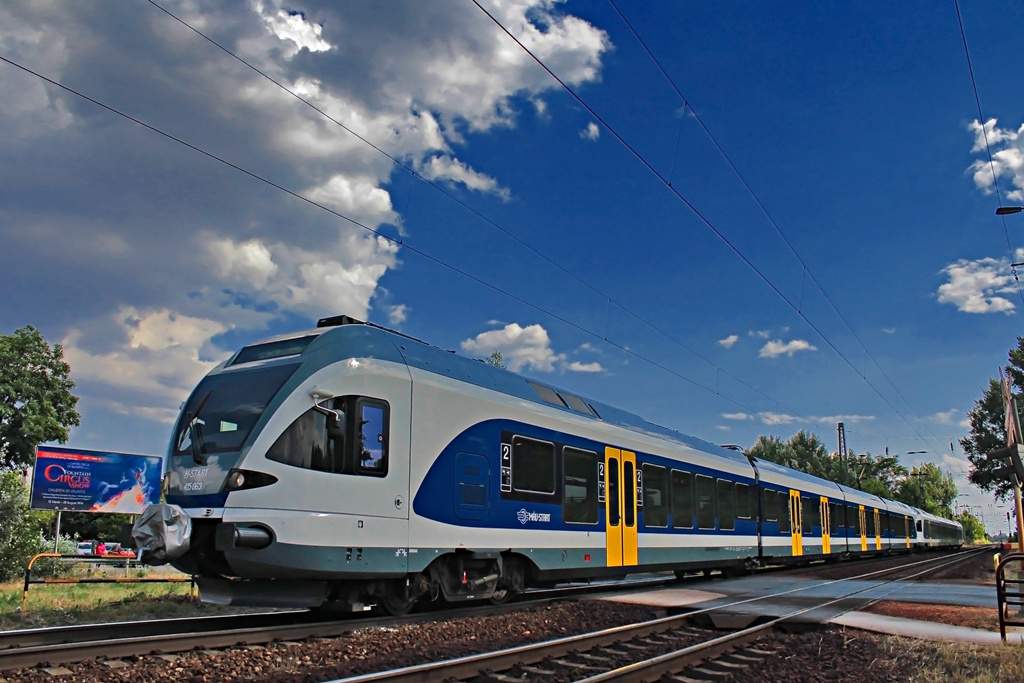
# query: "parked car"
84, 548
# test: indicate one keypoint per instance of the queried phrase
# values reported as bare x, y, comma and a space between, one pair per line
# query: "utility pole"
1013, 438
841, 433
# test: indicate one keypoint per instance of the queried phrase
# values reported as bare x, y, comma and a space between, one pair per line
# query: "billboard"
95, 481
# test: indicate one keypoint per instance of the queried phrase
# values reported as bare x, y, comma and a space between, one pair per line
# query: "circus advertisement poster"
95, 481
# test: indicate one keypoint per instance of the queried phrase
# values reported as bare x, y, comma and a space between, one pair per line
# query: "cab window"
344, 435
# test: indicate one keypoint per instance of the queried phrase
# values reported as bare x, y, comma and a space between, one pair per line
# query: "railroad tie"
575, 666
536, 670
594, 658
707, 674
492, 677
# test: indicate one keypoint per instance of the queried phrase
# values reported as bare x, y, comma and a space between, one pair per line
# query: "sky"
732, 219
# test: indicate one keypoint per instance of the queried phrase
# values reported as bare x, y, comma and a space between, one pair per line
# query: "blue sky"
856, 273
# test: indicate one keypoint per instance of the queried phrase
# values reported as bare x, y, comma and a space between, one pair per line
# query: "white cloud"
357, 198
737, 416
763, 334
889, 330
729, 341
520, 347
160, 358
845, 419
306, 281
1007, 163
949, 417
975, 286
776, 418
446, 168
777, 347
249, 261
293, 27
591, 132
398, 314
576, 366
191, 249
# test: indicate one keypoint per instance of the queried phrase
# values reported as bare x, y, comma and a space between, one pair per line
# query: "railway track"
59, 645
22, 649
670, 646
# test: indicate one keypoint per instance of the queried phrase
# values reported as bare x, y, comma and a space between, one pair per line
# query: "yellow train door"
906, 529
878, 531
796, 526
863, 529
621, 539
826, 536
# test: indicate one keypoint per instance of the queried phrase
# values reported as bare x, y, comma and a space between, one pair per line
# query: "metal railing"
109, 560
1010, 591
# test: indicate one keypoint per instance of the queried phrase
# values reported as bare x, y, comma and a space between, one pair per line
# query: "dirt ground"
980, 571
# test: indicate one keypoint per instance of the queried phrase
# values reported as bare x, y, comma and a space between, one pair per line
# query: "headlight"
241, 480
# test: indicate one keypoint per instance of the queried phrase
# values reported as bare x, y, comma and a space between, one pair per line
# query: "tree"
879, 475
987, 434
36, 403
496, 360
927, 488
19, 536
988, 431
769, 448
974, 530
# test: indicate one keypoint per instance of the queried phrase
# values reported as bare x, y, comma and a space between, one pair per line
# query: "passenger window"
870, 515
373, 442
304, 444
319, 438
769, 505
655, 495
744, 502
682, 500
629, 490
533, 465
705, 502
579, 486
812, 514
835, 511
726, 494
782, 505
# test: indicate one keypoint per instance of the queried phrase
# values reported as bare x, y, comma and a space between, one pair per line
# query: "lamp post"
1007, 210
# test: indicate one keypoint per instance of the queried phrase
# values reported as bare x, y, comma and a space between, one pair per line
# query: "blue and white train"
351, 464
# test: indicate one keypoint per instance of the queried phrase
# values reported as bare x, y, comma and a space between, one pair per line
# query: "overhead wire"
415, 174
697, 213
988, 147
764, 211
404, 243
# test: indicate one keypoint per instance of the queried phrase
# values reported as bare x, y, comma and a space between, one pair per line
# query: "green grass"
90, 603
964, 663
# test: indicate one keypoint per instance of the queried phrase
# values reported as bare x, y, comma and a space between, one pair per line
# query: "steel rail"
485, 664
29, 647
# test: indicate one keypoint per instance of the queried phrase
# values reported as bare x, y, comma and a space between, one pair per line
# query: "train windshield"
223, 409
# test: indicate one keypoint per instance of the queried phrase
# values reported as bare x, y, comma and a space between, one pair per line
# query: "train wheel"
394, 607
502, 595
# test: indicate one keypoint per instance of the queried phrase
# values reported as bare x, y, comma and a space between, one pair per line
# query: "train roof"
342, 337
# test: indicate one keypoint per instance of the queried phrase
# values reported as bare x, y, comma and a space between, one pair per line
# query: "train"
351, 465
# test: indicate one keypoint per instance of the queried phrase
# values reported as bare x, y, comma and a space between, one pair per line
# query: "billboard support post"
56, 535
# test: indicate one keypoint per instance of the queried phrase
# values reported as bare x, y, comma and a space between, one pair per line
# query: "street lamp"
1007, 210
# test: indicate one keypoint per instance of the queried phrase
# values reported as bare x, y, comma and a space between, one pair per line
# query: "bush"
19, 537
50, 566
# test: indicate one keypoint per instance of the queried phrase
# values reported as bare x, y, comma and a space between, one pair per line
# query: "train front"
277, 488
